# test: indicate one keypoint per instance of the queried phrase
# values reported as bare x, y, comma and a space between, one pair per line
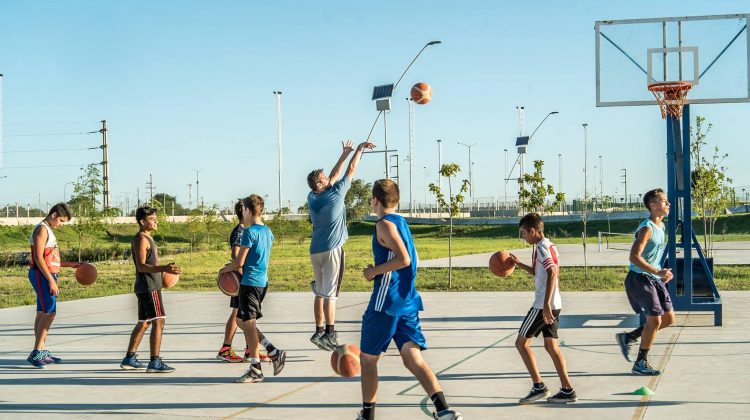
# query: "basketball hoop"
671, 97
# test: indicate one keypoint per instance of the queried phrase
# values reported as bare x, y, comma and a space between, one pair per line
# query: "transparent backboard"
711, 52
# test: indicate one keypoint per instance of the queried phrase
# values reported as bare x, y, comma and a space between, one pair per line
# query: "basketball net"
671, 97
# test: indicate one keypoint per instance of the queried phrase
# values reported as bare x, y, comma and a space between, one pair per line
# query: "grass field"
290, 268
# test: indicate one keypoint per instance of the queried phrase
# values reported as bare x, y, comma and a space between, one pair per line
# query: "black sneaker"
626, 344
563, 397
643, 367
535, 394
317, 340
330, 340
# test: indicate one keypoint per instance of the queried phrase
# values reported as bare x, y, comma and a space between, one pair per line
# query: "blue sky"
188, 84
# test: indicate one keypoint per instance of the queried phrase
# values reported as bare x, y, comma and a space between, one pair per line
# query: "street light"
197, 190
382, 95
471, 181
440, 164
522, 141
277, 94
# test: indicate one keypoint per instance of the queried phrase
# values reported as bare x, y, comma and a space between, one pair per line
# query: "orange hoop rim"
670, 86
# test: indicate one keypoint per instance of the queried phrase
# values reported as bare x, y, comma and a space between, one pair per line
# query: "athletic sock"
635, 334
642, 354
319, 329
329, 328
439, 400
368, 411
538, 385
154, 358
129, 354
268, 346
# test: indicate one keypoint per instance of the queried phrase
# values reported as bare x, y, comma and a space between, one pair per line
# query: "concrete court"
571, 255
471, 338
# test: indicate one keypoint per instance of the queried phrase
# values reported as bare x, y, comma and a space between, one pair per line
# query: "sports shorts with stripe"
379, 328
328, 269
534, 324
250, 302
45, 301
150, 306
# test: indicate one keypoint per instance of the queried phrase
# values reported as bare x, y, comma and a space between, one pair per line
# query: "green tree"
711, 188
89, 220
357, 200
450, 170
168, 204
533, 192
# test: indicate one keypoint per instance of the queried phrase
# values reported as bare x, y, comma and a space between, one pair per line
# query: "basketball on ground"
86, 274
501, 265
168, 279
345, 360
421, 93
229, 283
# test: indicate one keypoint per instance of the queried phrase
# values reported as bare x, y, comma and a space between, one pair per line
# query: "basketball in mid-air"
421, 93
229, 283
168, 279
86, 274
501, 265
345, 360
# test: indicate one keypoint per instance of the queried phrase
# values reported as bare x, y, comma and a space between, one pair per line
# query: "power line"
45, 166
53, 150
50, 134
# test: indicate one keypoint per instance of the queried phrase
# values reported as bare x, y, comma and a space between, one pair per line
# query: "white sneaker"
448, 414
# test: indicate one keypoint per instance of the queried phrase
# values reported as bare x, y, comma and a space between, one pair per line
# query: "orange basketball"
501, 264
229, 283
168, 279
421, 93
86, 274
345, 360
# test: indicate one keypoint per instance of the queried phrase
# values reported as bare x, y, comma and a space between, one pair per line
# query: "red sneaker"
227, 354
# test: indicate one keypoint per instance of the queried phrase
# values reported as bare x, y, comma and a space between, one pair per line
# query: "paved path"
571, 255
471, 348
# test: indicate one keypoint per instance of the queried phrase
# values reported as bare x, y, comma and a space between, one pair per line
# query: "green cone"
643, 391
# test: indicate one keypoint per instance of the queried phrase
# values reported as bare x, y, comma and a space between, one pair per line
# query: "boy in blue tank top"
393, 311
646, 281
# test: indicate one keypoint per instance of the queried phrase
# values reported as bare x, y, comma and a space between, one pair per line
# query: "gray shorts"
647, 295
328, 268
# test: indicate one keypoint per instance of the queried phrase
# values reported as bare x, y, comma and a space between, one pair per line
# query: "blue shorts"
379, 328
647, 295
45, 301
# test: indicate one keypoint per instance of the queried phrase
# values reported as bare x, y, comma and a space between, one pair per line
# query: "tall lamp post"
65, 190
277, 94
197, 189
382, 97
471, 180
522, 141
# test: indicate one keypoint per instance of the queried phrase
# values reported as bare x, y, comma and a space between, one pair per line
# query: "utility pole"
601, 182
505, 177
585, 195
440, 164
277, 94
521, 118
105, 164
190, 196
150, 188
625, 181
197, 190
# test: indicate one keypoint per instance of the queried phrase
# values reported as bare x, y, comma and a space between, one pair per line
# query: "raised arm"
336, 171
354, 163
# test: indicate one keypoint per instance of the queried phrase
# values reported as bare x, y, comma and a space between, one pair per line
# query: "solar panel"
522, 141
382, 91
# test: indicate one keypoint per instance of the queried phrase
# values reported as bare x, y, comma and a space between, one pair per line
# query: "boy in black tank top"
147, 288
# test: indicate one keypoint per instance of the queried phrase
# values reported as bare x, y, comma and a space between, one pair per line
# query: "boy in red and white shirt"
544, 315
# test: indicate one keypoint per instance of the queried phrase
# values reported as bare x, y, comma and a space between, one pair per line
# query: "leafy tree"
357, 200
449, 170
711, 188
89, 220
167, 204
535, 197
